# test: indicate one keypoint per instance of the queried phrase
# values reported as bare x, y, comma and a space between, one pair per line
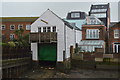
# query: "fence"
10, 53
15, 61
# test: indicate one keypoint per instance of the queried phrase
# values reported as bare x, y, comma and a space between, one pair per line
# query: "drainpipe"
39, 37
65, 38
29, 38
75, 35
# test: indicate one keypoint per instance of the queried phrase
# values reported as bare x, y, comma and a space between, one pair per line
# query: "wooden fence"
15, 61
11, 53
43, 37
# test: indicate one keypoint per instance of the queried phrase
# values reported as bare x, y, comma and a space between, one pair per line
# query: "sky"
35, 9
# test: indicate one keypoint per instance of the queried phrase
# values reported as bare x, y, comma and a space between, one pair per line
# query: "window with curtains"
92, 34
116, 33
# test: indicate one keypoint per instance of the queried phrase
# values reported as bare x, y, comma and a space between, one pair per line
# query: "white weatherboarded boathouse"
52, 38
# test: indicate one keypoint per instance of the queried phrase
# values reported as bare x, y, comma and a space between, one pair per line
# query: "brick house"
102, 12
114, 38
10, 24
93, 35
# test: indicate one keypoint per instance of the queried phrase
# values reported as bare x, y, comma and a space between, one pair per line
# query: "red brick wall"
102, 29
111, 38
87, 56
7, 30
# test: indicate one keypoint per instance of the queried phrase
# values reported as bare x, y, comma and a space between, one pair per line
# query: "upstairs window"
3, 27
54, 28
20, 26
99, 10
93, 21
92, 34
116, 33
12, 27
75, 15
39, 29
28, 27
44, 29
48, 29
100, 15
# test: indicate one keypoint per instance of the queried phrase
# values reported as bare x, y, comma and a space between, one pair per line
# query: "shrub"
11, 44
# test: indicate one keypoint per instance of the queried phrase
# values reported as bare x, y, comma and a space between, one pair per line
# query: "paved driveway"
74, 73
88, 73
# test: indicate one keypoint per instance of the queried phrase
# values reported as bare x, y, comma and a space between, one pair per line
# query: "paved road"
84, 73
37, 74
74, 73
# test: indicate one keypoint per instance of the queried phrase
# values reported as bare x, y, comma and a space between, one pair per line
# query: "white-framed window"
93, 21
28, 27
12, 27
116, 48
92, 34
3, 27
39, 29
20, 26
48, 29
99, 10
116, 33
100, 15
12, 36
54, 29
75, 15
44, 29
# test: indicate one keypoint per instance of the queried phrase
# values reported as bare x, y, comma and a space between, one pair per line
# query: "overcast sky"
16, 9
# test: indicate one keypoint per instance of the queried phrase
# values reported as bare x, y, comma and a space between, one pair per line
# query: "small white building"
51, 38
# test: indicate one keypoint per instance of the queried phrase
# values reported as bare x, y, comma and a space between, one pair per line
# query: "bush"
11, 44
3, 44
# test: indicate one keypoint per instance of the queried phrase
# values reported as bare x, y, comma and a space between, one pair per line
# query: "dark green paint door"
47, 52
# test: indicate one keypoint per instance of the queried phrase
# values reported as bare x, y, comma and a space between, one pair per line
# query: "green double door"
47, 52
